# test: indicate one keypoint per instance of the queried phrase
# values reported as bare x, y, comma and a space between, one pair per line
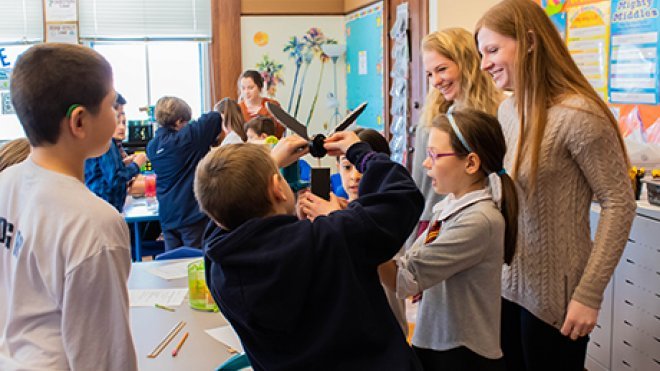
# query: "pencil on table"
173, 332
161, 306
178, 346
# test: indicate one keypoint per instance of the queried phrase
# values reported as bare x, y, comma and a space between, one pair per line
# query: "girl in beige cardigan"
564, 150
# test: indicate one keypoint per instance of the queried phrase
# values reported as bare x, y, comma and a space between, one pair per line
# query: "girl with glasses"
457, 263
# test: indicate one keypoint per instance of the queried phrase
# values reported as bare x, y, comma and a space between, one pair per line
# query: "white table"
151, 325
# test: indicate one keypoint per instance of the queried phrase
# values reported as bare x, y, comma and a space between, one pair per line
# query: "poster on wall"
61, 10
364, 64
62, 33
633, 76
559, 20
588, 42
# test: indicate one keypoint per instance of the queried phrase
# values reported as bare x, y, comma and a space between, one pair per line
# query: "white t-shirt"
64, 264
231, 138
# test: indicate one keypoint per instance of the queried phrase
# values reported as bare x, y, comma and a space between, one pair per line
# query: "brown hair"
477, 88
232, 183
545, 73
484, 135
48, 78
169, 110
261, 125
232, 116
255, 76
14, 152
375, 139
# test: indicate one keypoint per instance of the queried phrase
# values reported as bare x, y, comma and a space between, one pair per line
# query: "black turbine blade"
287, 120
348, 120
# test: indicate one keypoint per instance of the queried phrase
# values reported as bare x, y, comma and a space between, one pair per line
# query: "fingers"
574, 330
338, 143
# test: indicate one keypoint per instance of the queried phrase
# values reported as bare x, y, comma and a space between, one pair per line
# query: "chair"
180, 253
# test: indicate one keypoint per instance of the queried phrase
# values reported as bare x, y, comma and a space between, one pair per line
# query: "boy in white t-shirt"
64, 256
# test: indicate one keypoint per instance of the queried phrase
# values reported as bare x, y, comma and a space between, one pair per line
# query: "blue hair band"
464, 142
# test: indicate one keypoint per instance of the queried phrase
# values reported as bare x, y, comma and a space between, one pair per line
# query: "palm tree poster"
288, 52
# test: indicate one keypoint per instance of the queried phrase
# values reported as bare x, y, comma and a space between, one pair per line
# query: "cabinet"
627, 336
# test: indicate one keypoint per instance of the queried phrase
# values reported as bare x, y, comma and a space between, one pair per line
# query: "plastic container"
199, 296
653, 190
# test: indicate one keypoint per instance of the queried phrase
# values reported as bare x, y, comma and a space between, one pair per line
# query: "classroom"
330, 185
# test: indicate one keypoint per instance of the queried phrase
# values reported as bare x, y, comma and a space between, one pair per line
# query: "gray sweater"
459, 273
555, 259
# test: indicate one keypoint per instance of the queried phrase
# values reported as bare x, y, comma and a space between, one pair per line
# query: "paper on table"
226, 335
149, 298
172, 271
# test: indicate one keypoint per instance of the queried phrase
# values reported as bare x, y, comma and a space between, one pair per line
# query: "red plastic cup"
150, 185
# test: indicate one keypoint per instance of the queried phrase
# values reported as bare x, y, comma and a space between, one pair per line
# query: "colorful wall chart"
634, 53
588, 42
364, 64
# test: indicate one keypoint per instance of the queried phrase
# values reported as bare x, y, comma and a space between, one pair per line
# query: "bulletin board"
364, 64
615, 44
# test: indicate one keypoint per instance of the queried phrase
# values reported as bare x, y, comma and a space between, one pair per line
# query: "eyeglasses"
434, 156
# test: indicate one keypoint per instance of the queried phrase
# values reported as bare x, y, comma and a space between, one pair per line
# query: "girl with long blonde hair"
451, 62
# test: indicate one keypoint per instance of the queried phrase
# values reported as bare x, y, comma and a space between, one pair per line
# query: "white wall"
452, 13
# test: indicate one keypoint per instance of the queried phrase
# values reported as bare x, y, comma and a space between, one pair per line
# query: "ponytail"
510, 213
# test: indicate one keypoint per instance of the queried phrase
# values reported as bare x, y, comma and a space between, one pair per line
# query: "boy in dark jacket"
303, 295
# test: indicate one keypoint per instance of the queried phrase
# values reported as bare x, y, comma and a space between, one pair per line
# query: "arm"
388, 208
114, 172
594, 146
204, 131
95, 318
457, 248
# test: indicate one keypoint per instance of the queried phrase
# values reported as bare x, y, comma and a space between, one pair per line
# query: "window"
155, 47
10, 127
146, 71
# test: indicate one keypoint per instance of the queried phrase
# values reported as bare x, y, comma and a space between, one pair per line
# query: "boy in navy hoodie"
303, 295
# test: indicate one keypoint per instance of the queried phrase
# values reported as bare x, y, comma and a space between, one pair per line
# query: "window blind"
22, 21
145, 19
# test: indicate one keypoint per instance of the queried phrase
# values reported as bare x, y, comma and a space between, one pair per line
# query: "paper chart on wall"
61, 10
634, 61
588, 42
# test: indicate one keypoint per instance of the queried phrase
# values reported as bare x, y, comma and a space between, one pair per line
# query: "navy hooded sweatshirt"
306, 296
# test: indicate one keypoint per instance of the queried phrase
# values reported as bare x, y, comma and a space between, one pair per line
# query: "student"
259, 128
303, 295
232, 122
174, 152
561, 137
250, 85
14, 152
312, 206
451, 62
108, 175
457, 263
65, 257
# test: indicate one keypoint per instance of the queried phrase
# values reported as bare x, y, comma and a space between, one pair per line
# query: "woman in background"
451, 62
252, 104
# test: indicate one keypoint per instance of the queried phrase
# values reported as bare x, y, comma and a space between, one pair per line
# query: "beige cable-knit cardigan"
556, 260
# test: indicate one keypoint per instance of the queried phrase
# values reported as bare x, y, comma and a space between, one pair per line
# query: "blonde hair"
545, 74
232, 183
14, 152
169, 110
478, 90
